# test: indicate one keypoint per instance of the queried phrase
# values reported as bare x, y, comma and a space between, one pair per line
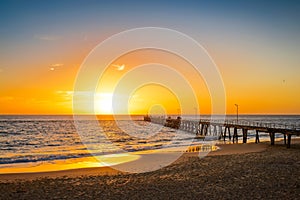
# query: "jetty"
222, 129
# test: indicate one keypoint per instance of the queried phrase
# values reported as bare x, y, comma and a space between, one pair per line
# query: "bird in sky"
119, 67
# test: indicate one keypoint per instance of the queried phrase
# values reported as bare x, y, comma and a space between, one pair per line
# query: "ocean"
28, 141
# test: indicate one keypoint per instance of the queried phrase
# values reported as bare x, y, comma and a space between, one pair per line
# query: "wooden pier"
220, 129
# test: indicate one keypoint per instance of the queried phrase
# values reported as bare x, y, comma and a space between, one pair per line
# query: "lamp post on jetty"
237, 113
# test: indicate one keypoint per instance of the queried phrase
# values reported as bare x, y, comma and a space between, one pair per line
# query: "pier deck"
220, 129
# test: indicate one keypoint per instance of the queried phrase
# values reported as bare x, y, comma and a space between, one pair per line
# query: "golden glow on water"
115, 159
78, 163
97, 161
202, 148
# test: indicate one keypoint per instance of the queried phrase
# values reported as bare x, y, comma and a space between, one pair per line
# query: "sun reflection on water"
76, 163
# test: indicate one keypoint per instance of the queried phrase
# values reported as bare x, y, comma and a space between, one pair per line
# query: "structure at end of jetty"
220, 129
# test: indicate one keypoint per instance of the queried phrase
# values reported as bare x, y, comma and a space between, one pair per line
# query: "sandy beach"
237, 171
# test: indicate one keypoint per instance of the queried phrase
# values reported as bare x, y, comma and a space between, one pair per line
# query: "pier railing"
206, 127
288, 126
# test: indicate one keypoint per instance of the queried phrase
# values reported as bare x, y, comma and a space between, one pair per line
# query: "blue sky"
19, 15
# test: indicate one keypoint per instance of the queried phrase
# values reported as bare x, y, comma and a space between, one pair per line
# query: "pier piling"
245, 135
256, 137
214, 128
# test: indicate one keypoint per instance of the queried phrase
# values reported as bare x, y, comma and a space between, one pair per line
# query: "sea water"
41, 140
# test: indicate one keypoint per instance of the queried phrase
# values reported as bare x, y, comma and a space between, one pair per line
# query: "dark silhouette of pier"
222, 129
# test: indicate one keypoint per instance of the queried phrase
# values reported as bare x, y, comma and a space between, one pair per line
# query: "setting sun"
103, 103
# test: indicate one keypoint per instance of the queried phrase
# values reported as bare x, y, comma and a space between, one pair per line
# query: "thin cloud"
65, 92
55, 66
66, 95
6, 98
47, 37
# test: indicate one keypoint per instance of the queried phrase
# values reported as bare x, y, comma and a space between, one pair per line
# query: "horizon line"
59, 114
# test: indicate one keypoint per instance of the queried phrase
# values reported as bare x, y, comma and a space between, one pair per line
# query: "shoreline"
264, 172
224, 149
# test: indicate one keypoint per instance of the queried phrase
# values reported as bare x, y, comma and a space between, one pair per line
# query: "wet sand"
244, 171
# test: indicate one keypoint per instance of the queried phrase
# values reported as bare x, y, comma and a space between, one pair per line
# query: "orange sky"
48, 91
257, 55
